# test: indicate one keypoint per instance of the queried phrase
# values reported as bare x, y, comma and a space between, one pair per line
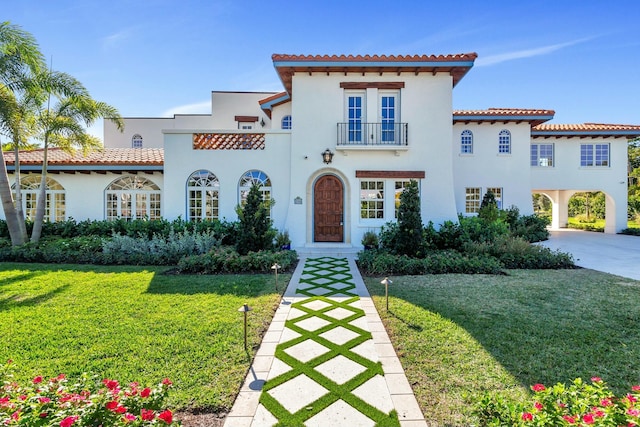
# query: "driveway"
612, 253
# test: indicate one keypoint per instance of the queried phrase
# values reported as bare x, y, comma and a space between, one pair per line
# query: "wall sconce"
327, 156
262, 123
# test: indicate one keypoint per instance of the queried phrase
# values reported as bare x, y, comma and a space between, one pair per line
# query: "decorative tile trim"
228, 141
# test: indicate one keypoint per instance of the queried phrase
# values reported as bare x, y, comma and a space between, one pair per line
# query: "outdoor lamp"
275, 267
245, 309
386, 282
327, 156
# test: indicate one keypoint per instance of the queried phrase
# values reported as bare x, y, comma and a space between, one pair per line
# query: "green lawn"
461, 335
135, 324
600, 223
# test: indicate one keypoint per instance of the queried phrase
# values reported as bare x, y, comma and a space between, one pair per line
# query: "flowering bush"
580, 404
86, 402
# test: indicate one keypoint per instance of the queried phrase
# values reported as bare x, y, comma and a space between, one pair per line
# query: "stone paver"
326, 340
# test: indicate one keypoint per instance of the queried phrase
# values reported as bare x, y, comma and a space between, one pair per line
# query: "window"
388, 115
472, 200
504, 142
371, 199
542, 155
399, 188
202, 193
355, 116
497, 193
254, 177
136, 141
54, 202
466, 142
286, 122
132, 197
594, 155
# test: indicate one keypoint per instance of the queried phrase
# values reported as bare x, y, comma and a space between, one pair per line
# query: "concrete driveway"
612, 253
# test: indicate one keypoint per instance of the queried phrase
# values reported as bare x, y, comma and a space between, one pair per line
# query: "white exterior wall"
181, 160
567, 174
150, 129
486, 168
226, 105
85, 193
278, 113
318, 104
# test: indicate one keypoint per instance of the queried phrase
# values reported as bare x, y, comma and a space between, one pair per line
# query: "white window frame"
250, 177
137, 141
357, 134
543, 161
504, 142
55, 197
286, 122
203, 191
389, 135
132, 197
372, 201
498, 194
589, 155
399, 186
466, 142
473, 199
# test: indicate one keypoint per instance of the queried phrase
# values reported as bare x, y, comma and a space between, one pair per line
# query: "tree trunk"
19, 209
41, 202
9, 208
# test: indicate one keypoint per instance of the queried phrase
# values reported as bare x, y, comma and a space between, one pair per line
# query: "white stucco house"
335, 149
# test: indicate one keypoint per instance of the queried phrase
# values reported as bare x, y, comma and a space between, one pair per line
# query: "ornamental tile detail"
228, 141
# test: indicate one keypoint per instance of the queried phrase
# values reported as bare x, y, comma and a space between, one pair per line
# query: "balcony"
383, 135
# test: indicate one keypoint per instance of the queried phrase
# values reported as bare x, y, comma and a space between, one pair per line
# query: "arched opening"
328, 209
132, 197
55, 203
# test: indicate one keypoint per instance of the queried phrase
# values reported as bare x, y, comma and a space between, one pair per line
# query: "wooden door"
328, 215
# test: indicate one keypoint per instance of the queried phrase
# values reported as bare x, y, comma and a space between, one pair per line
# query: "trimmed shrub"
227, 260
631, 231
515, 252
254, 232
409, 240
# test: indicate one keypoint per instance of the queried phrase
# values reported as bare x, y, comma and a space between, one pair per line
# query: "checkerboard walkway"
326, 359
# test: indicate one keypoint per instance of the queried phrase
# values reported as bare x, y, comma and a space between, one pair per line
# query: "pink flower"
597, 412
596, 379
588, 419
569, 419
606, 402
120, 409
167, 381
633, 412
43, 415
147, 414
44, 400
15, 416
631, 398
22, 397
539, 406
635, 388
37, 380
527, 416
128, 418
166, 416
68, 422
112, 405
145, 392
538, 387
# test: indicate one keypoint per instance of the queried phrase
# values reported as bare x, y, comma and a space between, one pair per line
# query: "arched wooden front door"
328, 215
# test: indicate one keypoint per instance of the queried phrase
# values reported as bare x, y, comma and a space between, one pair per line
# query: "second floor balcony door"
388, 115
355, 118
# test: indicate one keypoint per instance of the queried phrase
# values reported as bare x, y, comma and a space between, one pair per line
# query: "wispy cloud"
116, 39
526, 53
203, 107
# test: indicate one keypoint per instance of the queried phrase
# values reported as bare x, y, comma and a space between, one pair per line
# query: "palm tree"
20, 58
63, 125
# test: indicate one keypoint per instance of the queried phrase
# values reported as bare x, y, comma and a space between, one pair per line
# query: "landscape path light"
245, 309
275, 268
386, 282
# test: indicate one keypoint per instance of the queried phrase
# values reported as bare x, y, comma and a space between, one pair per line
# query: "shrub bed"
631, 231
227, 260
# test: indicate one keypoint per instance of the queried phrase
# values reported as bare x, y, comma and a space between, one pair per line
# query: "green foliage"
580, 403
378, 262
532, 228
254, 231
409, 241
370, 240
282, 240
587, 203
47, 402
631, 231
489, 208
226, 260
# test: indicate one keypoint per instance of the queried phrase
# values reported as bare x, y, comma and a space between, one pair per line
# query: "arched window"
132, 197
254, 177
286, 122
466, 142
202, 195
504, 142
136, 141
55, 198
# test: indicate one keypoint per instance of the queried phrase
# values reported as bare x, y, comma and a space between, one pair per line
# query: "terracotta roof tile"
107, 156
586, 127
533, 116
376, 58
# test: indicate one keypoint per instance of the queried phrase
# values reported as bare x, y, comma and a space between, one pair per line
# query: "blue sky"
154, 58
